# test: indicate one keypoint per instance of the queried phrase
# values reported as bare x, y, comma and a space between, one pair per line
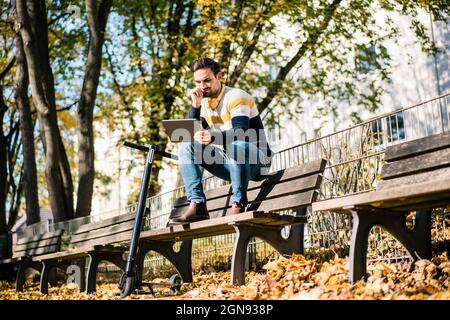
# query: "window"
303, 137
395, 127
389, 130
366, 59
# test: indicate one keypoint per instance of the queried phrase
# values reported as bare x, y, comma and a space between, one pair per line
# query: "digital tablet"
181, 130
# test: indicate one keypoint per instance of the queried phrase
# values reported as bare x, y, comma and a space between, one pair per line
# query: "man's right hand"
203, 136
196, 96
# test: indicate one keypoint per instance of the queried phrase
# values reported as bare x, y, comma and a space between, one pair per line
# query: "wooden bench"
294, 188
415, 177
97, 241
29, 247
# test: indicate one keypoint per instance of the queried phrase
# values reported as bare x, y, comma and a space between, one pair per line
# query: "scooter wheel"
126, 286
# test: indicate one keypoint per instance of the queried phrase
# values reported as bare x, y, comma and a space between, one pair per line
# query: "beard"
209, 94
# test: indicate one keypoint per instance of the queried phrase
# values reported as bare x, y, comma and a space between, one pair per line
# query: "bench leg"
293, 244
422, 230
48, 275
20, 278
358, 248
242, 237
94, 260
182, 260
270, 234
416, 241
21, 273
91, 279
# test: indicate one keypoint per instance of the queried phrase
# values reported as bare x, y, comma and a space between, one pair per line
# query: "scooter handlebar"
135, 146
144, 148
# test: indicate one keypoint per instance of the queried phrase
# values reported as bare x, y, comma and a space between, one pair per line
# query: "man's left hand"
203, 136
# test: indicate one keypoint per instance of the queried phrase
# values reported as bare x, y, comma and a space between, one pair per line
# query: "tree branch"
118, 87
225, 50
250, 45
311, 41
8, 67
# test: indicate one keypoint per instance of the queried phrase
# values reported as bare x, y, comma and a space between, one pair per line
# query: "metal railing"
354, 160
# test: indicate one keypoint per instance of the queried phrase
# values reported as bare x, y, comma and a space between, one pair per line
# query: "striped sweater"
234, 111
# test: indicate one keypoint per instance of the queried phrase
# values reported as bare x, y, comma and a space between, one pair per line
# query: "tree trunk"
3, 167
97, 20
32, 19
27, 136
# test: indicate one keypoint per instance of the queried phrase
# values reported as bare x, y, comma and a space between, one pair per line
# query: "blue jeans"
240, 163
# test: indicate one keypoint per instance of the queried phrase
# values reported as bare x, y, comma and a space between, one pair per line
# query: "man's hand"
202, 136
196, 96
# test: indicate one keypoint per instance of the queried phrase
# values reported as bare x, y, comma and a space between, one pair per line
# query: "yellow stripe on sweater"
218, 119
241, 101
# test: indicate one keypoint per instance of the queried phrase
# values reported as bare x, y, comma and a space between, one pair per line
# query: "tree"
97, 18
12, 178
34, 32
27, 137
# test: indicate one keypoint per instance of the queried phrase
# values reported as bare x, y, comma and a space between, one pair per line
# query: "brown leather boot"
195, 212
236, 208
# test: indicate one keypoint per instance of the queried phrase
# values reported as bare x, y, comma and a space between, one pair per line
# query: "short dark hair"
202, 63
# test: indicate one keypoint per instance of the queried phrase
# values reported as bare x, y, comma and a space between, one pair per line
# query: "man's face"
207, 82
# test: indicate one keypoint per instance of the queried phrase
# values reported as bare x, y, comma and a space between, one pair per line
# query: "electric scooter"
128, 280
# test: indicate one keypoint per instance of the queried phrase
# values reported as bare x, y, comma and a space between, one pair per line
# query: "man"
232, 135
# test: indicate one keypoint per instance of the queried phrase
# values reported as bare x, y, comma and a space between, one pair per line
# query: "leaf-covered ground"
286, 278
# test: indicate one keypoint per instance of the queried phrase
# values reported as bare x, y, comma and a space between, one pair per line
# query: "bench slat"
310, 168
281, 176
9, 260
264, 194
387, 198
124, 236
70, 254
417, 147
80, 239
66, 254
275, 204
435, 175
269, 192
39, 237
37, 244
421, 163
287, 202
217, 226
36, 251
104, 223
297, 200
